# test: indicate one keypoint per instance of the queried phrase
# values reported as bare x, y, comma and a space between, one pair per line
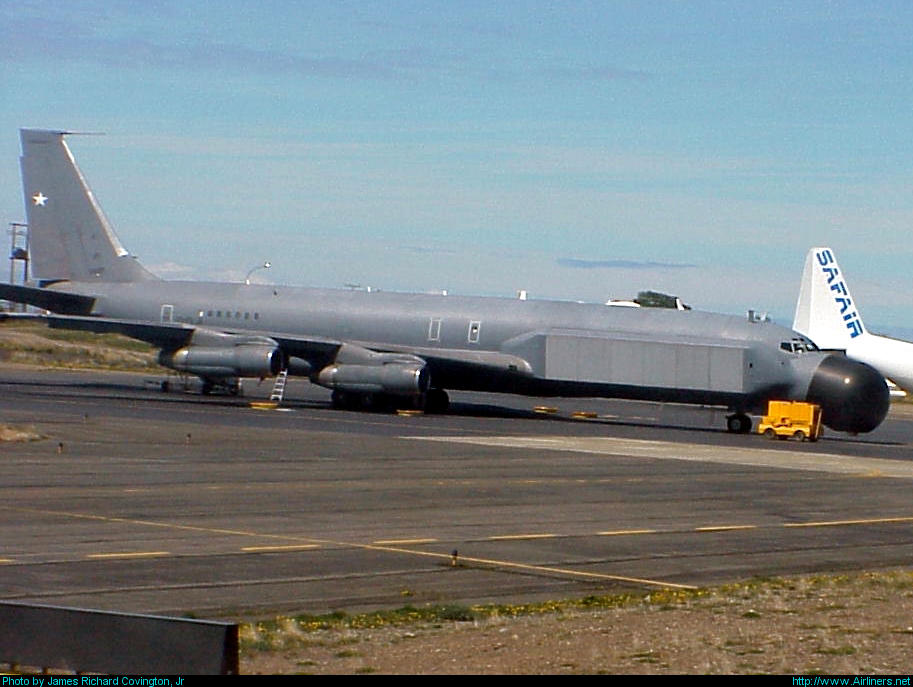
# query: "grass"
287, 632
284, 631
33, 343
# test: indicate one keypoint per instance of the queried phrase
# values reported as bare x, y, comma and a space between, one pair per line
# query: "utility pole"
19, 252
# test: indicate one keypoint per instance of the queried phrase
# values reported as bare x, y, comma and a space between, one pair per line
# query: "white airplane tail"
69, 235
826, 312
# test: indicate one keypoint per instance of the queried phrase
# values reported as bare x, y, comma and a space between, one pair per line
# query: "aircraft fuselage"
536, 347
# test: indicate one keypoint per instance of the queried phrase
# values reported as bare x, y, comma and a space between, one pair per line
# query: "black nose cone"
853, 396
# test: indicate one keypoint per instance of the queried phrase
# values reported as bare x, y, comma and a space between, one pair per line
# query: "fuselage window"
209, 313
256, 316
218, 313
247, 316
474, 330
237, 315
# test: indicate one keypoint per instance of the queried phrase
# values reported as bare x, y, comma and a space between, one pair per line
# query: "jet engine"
245, 360
388, 378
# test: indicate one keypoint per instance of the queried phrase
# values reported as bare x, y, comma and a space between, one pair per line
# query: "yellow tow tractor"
785, 419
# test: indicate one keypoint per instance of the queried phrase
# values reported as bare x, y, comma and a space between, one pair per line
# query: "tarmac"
175, 504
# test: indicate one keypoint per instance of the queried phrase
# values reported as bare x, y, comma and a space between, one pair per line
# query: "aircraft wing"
173, 335
164, 335
66, 303
450, 365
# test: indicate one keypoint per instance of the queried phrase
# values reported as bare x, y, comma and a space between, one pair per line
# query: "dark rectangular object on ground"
115, 643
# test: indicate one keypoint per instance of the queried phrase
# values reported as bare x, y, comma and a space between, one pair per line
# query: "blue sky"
580, 150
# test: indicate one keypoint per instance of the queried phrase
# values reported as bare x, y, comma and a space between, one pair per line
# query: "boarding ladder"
279, 386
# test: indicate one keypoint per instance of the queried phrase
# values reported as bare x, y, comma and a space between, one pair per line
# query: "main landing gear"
230, 386
433, 401
738, 423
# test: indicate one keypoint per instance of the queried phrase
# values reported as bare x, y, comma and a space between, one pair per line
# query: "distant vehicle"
791, 420
827, 313
380, 348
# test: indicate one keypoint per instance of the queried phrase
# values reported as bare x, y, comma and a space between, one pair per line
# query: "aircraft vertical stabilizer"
69, 235
826, 312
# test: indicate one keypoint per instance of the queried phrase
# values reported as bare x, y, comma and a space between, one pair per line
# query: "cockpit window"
798, 346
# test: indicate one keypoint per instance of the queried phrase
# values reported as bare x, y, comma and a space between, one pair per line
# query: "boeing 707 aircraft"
366, 346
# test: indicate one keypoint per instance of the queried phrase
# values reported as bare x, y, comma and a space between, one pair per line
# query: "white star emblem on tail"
40, 199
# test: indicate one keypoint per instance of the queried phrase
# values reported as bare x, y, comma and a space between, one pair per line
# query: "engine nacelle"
392, 378
246, 360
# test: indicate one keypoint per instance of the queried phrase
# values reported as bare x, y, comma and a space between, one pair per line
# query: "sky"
578, 150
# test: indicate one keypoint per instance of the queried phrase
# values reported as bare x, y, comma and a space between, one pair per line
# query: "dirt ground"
853, 624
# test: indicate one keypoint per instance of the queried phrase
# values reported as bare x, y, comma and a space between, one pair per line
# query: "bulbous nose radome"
853, 396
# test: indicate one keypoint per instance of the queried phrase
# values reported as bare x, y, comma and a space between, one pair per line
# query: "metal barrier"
87, 641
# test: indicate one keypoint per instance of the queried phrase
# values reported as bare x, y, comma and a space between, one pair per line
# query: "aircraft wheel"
206, 389
338, 400
739, 423
369, 401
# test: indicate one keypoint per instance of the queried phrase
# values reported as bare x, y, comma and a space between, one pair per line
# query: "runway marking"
703, 453
129, 554
724, 528
6, 560
287, 547
843, 523
564, 572
498, 564
392, 546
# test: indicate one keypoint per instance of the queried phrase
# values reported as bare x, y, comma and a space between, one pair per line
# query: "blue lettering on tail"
826, 258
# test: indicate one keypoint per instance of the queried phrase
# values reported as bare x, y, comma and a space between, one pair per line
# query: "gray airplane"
370, 347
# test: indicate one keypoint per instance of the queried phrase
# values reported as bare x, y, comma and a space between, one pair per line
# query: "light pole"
265, 266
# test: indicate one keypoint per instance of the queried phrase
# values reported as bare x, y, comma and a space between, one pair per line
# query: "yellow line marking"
569, 573
619, 533
401, 542
838, 523
504, 565
724, 528
7, 560
288, 547
129, 554
499, 564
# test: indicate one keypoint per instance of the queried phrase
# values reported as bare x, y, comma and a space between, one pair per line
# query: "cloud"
597, 73
47, 38
577, 263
